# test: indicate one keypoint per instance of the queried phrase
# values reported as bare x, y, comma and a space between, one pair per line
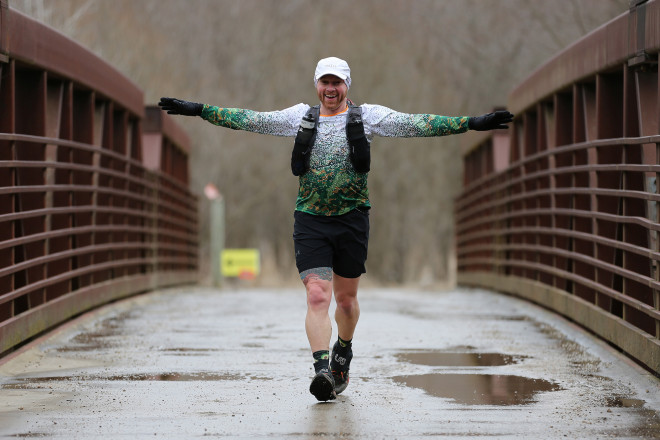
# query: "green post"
217, 223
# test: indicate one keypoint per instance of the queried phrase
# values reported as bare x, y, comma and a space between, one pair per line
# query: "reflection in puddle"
479, 389
443, 359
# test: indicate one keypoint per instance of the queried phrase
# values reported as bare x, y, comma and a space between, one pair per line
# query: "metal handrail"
74, 236
611, 293
575, 226
551, 232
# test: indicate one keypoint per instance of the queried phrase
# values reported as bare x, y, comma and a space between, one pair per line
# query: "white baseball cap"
333, 66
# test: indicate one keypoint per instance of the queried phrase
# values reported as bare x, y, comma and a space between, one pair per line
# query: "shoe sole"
322, 388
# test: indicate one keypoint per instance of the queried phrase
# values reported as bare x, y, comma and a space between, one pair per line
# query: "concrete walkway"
194, 362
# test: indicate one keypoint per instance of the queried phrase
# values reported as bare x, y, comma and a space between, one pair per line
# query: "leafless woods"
422, 56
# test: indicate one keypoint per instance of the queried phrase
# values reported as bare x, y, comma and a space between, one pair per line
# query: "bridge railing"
94, 196
563, 208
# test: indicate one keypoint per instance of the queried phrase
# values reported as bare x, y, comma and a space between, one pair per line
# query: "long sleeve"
383, 121
279, 123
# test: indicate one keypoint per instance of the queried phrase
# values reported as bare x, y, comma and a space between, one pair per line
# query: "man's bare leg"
346, 315
348, 308
318, 284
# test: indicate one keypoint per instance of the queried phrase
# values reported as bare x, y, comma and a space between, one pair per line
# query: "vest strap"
302, 146
359, 147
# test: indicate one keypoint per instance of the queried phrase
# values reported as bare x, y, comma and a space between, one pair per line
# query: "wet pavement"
194, 362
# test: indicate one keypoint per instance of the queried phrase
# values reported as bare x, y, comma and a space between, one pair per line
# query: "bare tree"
426, 56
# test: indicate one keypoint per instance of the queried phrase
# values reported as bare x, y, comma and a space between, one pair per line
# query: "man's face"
332, 93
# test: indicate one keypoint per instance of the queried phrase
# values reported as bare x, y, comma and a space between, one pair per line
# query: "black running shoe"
339, 365
323, 386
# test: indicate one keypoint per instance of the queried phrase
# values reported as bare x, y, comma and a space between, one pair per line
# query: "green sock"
345, 344
321, 360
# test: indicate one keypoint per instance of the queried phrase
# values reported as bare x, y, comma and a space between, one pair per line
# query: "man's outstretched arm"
279, 122
387, 122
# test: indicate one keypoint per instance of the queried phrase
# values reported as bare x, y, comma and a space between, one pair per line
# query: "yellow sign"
241, 263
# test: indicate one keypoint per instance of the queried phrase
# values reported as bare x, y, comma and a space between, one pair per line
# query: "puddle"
175, 377
623, 402
512, 318
480, 389
102, 337
185, 377
445, 359
29, 382
189, 351
83, 348
473, 389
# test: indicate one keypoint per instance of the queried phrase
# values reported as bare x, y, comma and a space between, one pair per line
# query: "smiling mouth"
331, 96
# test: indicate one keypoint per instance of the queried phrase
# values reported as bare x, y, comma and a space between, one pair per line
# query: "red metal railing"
94, 198
563, 210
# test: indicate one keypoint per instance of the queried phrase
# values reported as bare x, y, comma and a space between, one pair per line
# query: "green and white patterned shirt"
332, 186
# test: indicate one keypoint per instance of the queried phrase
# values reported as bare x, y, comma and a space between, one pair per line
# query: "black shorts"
336, 241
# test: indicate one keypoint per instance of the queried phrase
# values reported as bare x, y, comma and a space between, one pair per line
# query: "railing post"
4, 52
637, 34
655, 274
217, 224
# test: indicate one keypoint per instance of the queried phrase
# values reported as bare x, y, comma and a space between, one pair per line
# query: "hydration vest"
359, 151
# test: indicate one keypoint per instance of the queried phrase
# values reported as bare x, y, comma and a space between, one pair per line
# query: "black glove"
175, 106
490, 121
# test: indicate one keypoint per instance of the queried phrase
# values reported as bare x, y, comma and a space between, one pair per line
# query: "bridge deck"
195, 362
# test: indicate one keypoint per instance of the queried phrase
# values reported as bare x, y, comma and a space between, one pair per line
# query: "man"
331, 228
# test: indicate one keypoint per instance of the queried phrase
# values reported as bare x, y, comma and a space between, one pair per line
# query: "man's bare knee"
319, 287
346, 301
318, 298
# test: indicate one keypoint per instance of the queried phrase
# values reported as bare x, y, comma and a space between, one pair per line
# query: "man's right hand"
175, 106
